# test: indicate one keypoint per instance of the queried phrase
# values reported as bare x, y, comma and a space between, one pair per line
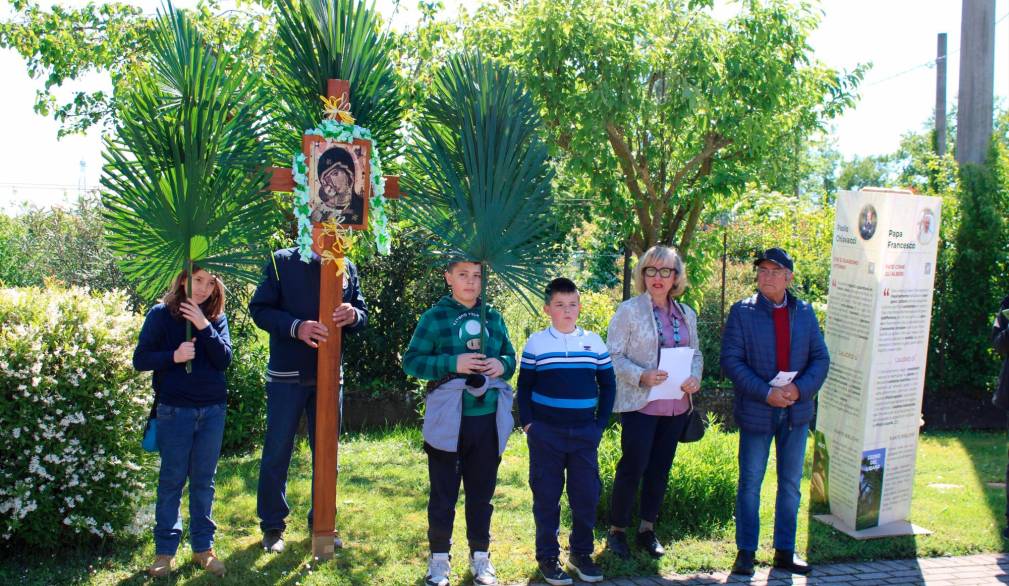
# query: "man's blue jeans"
754, 448
285, 402
189, 439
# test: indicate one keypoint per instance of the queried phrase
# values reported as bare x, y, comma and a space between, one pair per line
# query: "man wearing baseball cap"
769, 333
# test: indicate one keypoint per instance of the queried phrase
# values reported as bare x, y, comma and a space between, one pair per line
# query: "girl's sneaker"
209, 562
438, 570
483, 571
162, 566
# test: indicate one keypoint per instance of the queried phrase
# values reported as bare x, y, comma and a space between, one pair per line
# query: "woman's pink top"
668, 339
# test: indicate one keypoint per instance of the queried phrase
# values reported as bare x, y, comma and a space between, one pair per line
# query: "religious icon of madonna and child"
339, 182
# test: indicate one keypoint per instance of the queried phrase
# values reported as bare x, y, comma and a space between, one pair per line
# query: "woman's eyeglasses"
664, 272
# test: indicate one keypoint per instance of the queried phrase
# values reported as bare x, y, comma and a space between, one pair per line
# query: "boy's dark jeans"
554, 450
475, 464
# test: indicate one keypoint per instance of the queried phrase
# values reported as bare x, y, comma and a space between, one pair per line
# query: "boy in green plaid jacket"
467, 417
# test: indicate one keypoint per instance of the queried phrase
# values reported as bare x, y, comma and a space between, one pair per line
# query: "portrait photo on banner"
339, 181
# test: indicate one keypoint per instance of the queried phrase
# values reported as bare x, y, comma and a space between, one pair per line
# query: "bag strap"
157, 396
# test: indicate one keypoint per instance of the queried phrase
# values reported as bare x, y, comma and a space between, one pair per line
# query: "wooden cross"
327, 397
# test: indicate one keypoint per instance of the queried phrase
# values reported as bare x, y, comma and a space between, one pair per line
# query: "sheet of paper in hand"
676, 362
782, 378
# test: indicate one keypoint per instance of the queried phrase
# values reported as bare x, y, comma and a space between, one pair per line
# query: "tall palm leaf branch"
319, 40
479, 177
184, 178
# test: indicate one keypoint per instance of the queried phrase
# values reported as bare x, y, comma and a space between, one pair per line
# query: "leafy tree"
63, 44
818, 169
859, 172
668, 100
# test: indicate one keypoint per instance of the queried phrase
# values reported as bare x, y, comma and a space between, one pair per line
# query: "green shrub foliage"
246, 421
398, 288
72, 411
701, 490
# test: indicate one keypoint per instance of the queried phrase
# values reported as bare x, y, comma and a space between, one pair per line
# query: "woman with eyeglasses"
641, 327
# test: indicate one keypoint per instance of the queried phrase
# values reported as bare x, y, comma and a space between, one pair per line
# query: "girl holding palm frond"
186, 189
190, 406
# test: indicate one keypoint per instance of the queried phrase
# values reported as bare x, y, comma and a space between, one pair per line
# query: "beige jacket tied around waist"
633, 343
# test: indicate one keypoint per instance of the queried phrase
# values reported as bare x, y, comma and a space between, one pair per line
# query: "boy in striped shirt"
566, 388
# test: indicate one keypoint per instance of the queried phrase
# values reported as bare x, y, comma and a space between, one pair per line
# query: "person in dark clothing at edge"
1000, 339
286, 305
765, 334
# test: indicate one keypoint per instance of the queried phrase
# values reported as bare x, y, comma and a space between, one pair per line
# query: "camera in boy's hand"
475, 363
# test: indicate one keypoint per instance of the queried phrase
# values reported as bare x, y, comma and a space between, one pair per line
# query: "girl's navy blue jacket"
160, 337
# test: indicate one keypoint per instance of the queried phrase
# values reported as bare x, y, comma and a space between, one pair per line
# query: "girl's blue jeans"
189, 439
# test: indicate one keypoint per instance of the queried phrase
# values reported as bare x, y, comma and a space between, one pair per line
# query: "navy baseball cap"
777, 256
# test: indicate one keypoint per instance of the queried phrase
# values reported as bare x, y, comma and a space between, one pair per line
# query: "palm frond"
479, 177
319, 40
184, 176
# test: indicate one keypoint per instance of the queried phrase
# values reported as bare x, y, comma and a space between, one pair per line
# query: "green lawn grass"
382, 518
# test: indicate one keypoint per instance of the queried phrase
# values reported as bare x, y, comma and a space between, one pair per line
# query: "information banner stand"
878, 317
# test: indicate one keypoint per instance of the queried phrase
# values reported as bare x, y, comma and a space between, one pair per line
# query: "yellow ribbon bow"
341, 245
337, 108
341, 262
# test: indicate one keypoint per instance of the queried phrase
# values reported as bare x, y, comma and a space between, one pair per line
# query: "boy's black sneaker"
616, 543
553, 573
647, 541
585, 568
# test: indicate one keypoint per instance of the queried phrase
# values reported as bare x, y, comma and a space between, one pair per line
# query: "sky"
898, 95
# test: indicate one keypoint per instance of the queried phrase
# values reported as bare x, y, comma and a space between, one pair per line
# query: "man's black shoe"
647, 541
744, 563
585, 568
553, 573
273, 540
788, 561
616, 543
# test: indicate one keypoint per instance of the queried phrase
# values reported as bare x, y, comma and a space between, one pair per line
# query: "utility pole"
940, 96
977, 77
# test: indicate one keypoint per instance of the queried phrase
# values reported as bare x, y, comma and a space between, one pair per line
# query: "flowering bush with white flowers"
72, 411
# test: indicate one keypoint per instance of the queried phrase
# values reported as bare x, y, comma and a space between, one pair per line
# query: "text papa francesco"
897, 244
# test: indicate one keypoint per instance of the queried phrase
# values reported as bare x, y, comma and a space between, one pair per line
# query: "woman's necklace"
658, 327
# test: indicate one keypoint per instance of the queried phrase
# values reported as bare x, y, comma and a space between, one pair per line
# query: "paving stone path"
948, 571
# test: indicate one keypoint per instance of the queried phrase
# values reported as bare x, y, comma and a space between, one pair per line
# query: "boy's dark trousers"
476, 464
554, 450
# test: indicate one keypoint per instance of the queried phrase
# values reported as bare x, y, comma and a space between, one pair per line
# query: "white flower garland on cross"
378, 219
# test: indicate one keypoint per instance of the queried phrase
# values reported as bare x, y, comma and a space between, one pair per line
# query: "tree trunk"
627, 272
